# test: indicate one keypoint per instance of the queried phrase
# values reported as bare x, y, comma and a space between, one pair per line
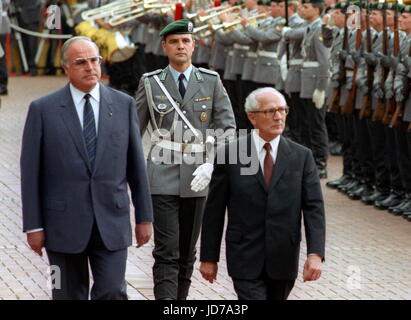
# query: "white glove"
285, 29
318, 98
202, 177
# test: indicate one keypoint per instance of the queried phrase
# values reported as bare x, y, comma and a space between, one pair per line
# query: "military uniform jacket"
294, 39
218, 55
314, 50
268, 34
403, 75
206, 105
225, 39
249, 62
335, 61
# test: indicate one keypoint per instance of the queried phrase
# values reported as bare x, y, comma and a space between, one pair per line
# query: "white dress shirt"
259, 144
79, 101
176, 74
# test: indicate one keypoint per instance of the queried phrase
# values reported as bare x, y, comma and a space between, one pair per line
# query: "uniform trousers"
403, 155
294, 119
380, 155
177, 224
315, 131
363, 151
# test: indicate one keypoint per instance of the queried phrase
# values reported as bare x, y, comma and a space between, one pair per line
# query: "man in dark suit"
269, 189
81, 146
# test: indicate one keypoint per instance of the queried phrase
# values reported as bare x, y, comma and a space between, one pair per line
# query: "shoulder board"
148, 74
214, 73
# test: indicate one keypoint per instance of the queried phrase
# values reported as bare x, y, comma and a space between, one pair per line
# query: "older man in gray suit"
81, 147
182, 103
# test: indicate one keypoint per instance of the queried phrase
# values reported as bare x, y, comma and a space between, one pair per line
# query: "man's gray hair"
69, 42
251, 102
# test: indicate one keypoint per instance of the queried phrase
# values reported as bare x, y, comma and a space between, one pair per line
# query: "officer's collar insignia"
163, 76
198, 76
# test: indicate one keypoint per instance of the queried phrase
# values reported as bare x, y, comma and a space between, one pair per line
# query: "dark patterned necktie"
89, 130
181, 87
268, 164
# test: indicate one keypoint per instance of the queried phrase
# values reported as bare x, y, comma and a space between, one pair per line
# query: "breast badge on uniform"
202, 99
203, 116
161, 106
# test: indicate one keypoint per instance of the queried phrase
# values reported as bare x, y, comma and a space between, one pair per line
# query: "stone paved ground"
368, 252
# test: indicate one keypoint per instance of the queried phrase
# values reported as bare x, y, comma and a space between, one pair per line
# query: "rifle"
390, 104
366, 109
350, 103
379, 111
399, 110
334, 104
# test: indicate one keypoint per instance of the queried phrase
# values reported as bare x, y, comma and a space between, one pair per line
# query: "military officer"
182, 103
314, 81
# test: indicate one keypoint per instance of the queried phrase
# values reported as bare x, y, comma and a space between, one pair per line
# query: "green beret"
393, 6
376, 6
182, 26
313, 1
406, 9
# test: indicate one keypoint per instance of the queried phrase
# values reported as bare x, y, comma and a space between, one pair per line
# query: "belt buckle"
185, 147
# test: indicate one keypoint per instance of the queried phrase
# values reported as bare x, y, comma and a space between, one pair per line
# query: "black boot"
377, 195
322, 168
392, 200
357, 193
333, 184
349, 186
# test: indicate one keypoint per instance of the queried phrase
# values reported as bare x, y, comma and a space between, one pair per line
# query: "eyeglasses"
271, 112
82, 62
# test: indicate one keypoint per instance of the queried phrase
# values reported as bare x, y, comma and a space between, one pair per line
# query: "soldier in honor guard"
338, 56
402, 116
314, 81
292, 36
389, 190
268, 35
187, 102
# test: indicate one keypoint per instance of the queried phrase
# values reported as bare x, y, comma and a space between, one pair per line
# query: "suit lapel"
171, 87
192, 87
104, 123
72, 122
281, 162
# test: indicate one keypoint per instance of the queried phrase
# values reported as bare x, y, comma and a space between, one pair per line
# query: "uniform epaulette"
208, 71
147, 74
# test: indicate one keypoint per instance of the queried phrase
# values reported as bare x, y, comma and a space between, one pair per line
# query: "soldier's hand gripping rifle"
379, 111
348, 107
334, 103
390, 104
399, 110
365, 111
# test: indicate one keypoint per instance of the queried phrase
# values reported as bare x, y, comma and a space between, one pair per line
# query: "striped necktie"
89, 130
